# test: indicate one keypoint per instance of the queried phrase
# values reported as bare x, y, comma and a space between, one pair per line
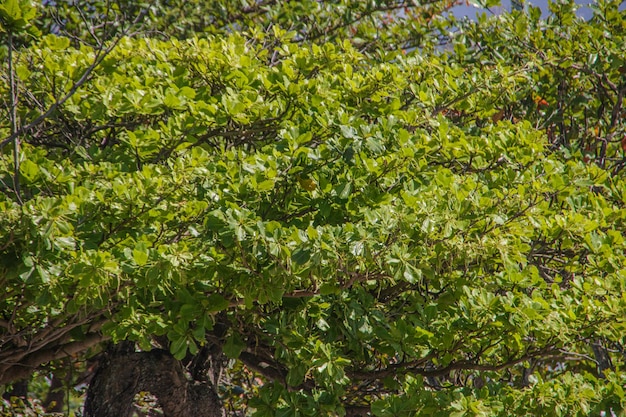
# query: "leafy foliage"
431, 232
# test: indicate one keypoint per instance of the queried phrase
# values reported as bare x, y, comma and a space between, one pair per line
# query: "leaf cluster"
414, 235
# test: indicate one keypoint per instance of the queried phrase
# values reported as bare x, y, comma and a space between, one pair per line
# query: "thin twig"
15, 137
101, 53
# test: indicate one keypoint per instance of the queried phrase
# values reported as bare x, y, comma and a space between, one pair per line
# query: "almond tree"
268, 219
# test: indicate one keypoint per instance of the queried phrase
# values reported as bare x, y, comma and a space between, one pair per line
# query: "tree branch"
26, 367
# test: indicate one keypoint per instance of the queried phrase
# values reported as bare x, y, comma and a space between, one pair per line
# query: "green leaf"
301, 256
188, 311
216, 302
178, 347
326, 289
343, 190
233, 346
172, 101
295, 376
29, 170
15, 15
140, 256
10, 10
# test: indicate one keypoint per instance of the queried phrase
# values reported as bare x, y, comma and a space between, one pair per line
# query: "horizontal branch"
463, 365
263, 366
30, 363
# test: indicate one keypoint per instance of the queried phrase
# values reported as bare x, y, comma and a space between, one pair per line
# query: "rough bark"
602, 357
55, 399
123, 374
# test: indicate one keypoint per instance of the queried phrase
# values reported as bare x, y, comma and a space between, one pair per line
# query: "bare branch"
25, 368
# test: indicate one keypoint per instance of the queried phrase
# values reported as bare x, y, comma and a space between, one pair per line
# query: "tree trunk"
55, 398
602, 357
123, 374
19, 389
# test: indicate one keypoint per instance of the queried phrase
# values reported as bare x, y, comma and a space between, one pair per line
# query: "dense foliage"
362, 219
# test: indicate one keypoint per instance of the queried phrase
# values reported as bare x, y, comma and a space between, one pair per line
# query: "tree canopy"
370, 208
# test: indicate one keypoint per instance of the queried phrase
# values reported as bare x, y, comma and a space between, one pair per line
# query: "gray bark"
123, 374
602, 357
